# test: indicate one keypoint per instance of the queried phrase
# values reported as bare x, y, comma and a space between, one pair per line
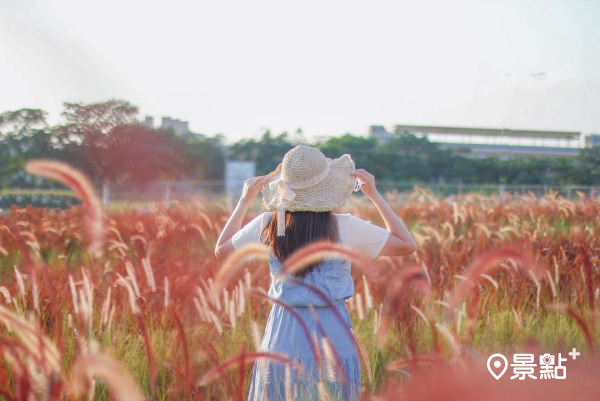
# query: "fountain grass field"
136, 306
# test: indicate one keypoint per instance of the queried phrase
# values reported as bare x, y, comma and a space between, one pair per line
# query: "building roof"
487, 131
505, 151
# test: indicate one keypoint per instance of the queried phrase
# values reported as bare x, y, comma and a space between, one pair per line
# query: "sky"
328, 67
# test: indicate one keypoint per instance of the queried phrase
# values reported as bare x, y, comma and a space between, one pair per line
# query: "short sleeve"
248, 234
361, 235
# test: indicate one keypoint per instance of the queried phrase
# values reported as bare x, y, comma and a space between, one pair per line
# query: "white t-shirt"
356, 233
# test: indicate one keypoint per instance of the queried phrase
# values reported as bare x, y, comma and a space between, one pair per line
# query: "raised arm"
252, 187
400, 242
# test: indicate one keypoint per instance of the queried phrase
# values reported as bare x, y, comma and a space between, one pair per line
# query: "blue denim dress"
284, 334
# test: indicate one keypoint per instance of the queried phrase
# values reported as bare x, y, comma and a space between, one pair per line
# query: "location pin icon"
495, 367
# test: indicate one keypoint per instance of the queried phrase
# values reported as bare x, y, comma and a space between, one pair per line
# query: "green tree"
139, 154
266, 152
89, 126
24, 135
361, 149
587, 167
486, 171
526, 170
202, 158
564, 171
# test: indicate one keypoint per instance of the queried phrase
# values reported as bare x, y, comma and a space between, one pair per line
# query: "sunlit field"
132, 304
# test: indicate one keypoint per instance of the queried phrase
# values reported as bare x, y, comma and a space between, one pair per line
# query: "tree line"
106, 141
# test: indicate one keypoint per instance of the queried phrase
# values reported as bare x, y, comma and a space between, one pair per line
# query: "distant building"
236, 173
379, 132
483, 142
592, 140
179, 127
148, 122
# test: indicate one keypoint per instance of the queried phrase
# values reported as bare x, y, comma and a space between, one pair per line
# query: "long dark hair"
301, 228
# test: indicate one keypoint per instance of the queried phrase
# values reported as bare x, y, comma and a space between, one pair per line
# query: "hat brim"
332, 192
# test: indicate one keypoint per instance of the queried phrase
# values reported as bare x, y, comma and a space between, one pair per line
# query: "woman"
302, 192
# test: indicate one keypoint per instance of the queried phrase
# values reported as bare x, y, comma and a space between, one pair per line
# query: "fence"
175, 190
443, 189
112, 194
162, 191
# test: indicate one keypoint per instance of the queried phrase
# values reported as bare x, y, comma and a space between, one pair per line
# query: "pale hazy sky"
326, 66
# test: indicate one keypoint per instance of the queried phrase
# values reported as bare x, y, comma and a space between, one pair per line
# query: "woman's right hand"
252, 187
367, 182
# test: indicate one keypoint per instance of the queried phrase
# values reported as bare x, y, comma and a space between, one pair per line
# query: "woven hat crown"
306, 180
303, 166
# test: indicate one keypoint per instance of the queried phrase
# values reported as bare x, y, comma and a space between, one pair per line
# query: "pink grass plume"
121, 384
249, 357
76, 181
482, 262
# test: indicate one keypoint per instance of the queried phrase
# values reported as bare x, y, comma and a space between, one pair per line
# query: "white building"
179, 127
148, 122
592, 140
483, 142
236, 173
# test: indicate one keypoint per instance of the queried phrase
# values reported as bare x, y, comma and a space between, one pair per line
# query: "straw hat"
308, 181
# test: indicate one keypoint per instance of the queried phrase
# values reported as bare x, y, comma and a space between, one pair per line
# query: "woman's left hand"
252, 187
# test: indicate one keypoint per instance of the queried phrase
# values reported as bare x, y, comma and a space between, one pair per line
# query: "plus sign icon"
574, 354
